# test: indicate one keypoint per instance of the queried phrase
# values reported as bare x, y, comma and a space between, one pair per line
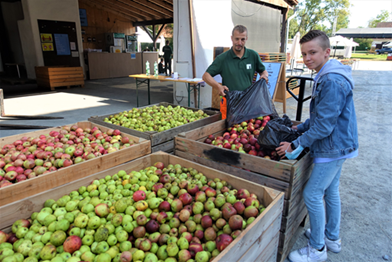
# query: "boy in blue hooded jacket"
331, 135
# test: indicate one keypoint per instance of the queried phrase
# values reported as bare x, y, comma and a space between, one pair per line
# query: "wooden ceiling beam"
149, 5
139, 8
122, 6
154, 22
94, 4
163, 4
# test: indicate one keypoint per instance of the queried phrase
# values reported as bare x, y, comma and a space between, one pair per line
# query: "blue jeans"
324, 183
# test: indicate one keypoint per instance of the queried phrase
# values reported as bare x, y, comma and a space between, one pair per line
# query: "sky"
364, 10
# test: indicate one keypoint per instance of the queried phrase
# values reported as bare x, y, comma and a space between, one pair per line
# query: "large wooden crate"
258, 242
162, 141
59, 76
62, 176
288, 176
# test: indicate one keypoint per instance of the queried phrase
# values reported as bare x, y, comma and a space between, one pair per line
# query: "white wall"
213, 22
57, 10
182, 53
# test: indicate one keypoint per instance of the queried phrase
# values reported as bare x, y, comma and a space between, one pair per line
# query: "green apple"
122, 236
138, 255
70, 217
48, 252
58, 238
101, 234
103, 257
75, 231
46, 237
87, 256
88, 240
81, 220
110, 227
125, 246
62, 225
65, 255
102, 247
84, 248
94, 222
112, 240
35, 251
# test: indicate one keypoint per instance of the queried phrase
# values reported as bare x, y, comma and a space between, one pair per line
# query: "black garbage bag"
276, 131
253, 102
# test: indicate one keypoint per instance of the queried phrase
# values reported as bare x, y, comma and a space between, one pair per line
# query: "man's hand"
264, 75
222, 90
283, 147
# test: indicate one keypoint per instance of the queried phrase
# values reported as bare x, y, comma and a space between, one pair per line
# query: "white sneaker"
334, 246
308, 254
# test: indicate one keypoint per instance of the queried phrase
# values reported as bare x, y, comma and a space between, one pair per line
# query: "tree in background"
320, 15
383, 17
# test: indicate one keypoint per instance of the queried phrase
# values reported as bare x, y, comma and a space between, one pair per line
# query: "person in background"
167, 55
236, 66
161, 69
332, 136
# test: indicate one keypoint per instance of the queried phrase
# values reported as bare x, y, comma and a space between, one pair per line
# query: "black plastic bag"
276, 131
253, 102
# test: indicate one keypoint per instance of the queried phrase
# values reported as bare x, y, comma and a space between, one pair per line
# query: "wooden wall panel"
101, 22
111, 65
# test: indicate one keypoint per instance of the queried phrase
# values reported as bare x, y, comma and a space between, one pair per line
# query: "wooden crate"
162, 141
60, 177
288, 176
59, 76
258, 242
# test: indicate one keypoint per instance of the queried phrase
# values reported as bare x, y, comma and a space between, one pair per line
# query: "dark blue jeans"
168, 65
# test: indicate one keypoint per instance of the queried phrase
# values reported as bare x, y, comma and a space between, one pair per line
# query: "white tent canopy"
341, 41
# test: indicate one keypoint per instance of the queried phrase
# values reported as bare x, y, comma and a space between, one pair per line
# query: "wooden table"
144, 79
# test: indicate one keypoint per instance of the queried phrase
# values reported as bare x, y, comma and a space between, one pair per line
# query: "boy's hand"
294, 128
284, 146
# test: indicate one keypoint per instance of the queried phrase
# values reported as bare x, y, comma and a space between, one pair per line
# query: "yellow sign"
46, 38
47, 47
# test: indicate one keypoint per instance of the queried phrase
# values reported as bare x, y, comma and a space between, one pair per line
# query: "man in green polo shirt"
236, 66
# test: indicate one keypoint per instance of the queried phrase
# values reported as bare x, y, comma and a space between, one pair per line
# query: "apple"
222, 241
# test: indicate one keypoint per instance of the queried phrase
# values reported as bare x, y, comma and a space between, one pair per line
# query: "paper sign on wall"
46, 38
62, 44
47, 47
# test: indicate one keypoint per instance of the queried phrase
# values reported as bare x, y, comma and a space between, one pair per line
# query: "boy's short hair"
240, 29
167, 42
321, 37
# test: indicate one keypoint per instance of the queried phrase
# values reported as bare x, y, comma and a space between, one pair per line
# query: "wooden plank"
62, 80
270, 252
60, 76
50, 180
261, 243
288, 220
165, 147
204, 131
271, 168
284, 239
257, 178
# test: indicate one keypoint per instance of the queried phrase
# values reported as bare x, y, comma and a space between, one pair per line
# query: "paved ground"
366, 187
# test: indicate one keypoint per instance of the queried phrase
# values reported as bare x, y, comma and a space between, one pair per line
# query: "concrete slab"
366, 181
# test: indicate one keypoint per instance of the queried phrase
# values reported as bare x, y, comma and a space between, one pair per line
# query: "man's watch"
292, 146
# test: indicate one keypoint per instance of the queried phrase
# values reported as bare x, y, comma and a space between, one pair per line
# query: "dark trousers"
168, 65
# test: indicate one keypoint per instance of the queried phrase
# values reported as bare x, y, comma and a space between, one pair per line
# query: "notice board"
274, 70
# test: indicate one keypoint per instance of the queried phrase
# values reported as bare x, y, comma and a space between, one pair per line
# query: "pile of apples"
155, 118
159, 213
243, 138
33, 156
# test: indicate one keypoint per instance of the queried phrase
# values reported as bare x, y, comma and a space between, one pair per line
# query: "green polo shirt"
237, 73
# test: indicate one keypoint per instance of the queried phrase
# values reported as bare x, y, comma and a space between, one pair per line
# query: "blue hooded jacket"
331, 130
